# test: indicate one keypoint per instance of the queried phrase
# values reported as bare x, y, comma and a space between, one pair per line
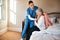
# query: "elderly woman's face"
39, 13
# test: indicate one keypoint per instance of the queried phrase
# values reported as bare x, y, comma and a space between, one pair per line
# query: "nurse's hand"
35, 19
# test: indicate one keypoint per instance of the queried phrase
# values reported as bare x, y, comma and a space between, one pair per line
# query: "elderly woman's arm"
38, 16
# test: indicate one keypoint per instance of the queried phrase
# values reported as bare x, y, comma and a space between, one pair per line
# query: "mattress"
52, 33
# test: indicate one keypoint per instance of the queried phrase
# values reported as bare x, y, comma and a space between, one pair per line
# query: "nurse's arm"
31, 18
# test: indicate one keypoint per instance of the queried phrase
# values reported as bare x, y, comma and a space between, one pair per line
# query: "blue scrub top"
32, 13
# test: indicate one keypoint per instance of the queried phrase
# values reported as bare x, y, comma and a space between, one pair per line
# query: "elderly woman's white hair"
39, 10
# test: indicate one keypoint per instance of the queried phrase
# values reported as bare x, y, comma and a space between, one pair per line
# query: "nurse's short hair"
30, 2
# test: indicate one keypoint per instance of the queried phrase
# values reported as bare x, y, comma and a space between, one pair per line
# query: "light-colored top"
40, 23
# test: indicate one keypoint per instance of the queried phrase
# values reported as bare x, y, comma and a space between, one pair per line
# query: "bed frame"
52, 14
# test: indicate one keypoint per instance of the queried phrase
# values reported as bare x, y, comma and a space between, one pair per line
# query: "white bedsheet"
52, 33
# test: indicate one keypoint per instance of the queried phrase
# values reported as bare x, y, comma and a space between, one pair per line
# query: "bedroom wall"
20, 15
46, 5
59, 5
3, 22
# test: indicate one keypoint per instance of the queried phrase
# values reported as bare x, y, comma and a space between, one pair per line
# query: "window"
0, 9
12, 10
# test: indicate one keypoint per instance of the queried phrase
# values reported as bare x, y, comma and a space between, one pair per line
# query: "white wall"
46, 5
21, 13
3, 22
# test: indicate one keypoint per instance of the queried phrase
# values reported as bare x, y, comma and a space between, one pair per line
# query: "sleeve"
28, 14
35, 8
30, 17
40, 21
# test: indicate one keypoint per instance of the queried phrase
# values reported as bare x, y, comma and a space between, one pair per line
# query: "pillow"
58, 19
53, 19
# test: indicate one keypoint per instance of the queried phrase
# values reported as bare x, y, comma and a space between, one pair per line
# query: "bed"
52, 33
36, 35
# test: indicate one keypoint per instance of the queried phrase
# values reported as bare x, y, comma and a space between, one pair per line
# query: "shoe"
21, 39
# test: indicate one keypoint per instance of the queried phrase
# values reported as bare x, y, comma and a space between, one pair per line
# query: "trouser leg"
25, 28
30, 32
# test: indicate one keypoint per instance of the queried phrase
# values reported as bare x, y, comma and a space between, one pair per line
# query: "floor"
11, 35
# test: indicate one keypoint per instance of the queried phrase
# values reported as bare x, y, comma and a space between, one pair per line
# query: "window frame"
1, 9
13, 10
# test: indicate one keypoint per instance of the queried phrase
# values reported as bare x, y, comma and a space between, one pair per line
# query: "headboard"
54, 14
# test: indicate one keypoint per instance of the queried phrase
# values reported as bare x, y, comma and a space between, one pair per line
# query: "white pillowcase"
58, 19
53, 19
